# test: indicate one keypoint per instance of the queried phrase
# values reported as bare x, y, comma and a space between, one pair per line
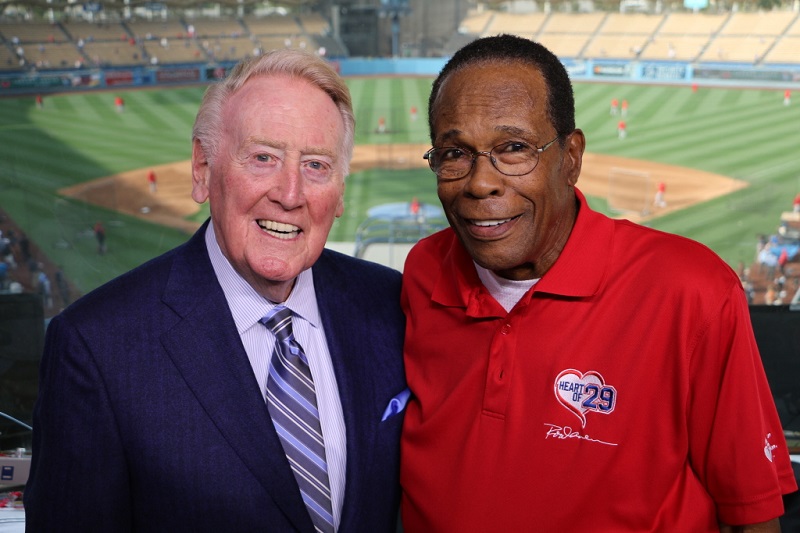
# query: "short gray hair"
208, 124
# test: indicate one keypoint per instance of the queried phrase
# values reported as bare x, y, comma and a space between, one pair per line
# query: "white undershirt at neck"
507, 292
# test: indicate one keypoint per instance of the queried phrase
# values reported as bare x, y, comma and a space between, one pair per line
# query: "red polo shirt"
624, 392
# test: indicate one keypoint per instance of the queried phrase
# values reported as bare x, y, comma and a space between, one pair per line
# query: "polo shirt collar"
578, 272
583, 264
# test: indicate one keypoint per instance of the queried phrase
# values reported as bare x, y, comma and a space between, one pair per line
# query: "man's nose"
484, 179
288, 190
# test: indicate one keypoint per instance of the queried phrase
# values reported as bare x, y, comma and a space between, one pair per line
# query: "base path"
629, 184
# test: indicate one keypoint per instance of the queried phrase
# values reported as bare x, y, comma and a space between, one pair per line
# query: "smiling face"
515, 226
276, 184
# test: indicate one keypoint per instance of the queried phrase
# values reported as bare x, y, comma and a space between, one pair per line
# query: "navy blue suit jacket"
149, 416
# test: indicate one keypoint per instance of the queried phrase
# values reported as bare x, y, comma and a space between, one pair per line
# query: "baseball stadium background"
711, 92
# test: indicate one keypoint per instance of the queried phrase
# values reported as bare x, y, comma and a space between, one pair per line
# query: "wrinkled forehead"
487, 79
491, 88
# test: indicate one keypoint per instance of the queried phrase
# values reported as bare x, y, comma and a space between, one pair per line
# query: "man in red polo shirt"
569, 372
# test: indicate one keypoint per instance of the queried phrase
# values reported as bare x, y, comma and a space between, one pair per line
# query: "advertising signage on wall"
746, 74
575, 68
177, 75
612, 70
664, 72
119, 77
216, 73
85, 79
36, 82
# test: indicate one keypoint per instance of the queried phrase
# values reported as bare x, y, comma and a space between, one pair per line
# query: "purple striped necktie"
292, 403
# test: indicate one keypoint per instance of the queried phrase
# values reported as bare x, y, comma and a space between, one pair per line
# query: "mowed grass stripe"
399, 115
730, 154
671, 143
363, 105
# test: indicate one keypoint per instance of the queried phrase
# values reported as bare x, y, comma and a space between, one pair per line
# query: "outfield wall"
786, 76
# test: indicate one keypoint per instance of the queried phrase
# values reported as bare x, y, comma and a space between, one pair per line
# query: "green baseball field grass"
746, 134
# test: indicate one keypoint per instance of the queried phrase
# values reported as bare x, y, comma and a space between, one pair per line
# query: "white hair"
208, 124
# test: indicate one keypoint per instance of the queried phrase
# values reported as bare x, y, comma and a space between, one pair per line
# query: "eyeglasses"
512, 158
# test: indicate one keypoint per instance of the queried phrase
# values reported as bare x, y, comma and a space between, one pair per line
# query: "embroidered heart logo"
582, 393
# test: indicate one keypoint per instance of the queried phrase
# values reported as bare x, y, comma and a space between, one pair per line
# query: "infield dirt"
631, 184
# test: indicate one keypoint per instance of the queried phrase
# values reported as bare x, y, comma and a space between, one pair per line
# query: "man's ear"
573, 156
201, 173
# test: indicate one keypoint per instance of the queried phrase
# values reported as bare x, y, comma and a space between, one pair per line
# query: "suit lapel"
207, 350
350, 364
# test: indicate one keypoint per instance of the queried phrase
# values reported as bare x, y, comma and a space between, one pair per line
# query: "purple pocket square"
396, 404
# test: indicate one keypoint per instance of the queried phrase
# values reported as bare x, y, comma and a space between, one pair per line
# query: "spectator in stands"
165, 390
45, 289
769, 296
7, 251
783, 258
550, 390
767, 261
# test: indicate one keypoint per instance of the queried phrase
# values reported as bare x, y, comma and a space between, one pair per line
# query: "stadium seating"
216, 28
698, 24
52, 55
314, 24
231, 48
519, 24
87, 31
680, 36
675, 47
477, 24
273, 25
785, 51
763, 24
145, 29
32, 32
752, 37
740, 48
565, 44
8, 59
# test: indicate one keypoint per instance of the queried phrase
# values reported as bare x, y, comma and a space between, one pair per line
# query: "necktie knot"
279, 322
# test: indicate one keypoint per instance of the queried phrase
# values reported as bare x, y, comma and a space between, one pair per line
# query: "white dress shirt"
247, 308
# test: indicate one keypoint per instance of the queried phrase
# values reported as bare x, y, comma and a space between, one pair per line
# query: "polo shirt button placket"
498, 378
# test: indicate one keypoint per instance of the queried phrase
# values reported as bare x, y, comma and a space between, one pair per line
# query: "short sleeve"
736, 447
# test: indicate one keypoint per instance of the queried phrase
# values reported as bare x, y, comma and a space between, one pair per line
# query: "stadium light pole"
394, 9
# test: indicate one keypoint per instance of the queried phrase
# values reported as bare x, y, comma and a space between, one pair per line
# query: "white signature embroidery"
768, 447
566, 432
